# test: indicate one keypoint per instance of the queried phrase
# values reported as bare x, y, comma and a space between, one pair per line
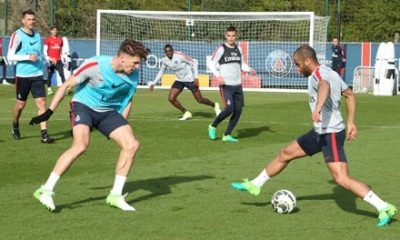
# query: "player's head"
230, 35
28, 19
305, 59
169, 50
335, 41
53, 30
130, 54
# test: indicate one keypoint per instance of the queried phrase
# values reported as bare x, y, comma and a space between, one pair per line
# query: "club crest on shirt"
278, 63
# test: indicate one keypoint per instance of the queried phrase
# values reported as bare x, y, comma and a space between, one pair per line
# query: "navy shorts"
232, 95
105, 122
189, 85
24, 85
331, 145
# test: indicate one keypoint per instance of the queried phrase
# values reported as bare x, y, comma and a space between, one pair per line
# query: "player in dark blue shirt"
338, 57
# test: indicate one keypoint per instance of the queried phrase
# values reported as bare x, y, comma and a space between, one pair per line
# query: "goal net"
268, 40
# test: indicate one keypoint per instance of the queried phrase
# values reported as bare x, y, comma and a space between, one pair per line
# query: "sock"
43, 132
15, 125
118, 184
51, 181
260, 179
375, 201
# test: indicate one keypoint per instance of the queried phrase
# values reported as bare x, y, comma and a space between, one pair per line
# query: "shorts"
105, 122
24, 85
331, 145
189, 85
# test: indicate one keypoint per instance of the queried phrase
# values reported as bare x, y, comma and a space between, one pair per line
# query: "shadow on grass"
344, 199
56, 136
156, 186
210, 114
251, 132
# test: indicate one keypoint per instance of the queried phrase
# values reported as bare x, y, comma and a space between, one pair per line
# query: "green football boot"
386, 215
247, 186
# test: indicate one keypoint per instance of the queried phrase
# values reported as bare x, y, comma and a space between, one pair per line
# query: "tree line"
361, 20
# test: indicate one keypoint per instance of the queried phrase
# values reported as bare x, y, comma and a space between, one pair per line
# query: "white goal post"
268, 40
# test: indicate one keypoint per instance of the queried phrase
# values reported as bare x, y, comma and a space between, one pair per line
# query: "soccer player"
325, 89
105, 87
26, 49
338, 57
183, 66
2, 62
52, 52
230, 58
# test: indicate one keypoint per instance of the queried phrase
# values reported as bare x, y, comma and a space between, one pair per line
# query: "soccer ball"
283, 201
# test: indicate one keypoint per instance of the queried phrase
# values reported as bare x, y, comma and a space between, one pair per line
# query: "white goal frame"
233, 17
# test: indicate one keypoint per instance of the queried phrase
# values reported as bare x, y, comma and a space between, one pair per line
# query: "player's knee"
80, 148
171, 99
20, 105
341, 180
285, 154
132, 146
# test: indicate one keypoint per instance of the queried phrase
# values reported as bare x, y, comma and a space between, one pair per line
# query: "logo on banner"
278, 63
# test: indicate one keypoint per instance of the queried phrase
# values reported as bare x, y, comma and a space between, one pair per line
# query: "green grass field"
180, 183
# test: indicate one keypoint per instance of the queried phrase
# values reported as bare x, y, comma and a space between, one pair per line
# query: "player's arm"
58, 97
212, 65
351, 112
244, 66
158, 77
12, 50
322, 95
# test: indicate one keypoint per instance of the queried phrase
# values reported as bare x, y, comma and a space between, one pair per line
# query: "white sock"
118, 184
51, 181
260, 179
375, 201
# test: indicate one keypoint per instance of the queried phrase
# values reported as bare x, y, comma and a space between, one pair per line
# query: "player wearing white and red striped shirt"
325, 88
186, 71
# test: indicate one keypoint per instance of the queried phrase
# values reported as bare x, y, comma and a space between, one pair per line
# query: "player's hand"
196, 82
351, 131
42, 117
252, 71
316, 116
220, 80
53, 61
33, 57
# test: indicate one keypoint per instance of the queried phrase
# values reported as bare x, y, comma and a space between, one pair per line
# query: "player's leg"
118, 129
60, 70
227, 98
176, 89
80, 143
238, 103
278, 164
50, 71
39, 94
335, 158
200, 99
22, 88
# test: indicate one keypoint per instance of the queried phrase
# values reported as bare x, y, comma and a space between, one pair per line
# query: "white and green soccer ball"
283, 201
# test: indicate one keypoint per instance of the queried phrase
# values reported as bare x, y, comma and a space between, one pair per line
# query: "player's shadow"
204, 114
155, 186
344, 199
251, 132
57, 136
